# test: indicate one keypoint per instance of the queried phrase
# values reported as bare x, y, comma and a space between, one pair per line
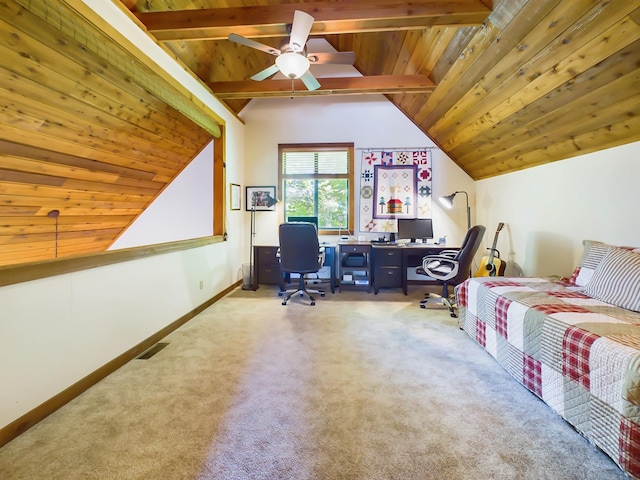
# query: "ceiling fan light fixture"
292, 65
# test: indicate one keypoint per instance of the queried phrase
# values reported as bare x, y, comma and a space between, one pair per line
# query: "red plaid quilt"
579, 355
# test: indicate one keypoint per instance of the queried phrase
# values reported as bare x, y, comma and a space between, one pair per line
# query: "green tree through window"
317, 181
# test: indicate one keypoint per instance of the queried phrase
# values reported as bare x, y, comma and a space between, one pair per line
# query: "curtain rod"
397, 149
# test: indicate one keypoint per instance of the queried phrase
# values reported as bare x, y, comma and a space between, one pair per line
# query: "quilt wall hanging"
394, 184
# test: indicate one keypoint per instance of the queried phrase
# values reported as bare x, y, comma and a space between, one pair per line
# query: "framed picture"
260, 198
235, 196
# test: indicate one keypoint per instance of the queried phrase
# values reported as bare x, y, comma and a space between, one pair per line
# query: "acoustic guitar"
492, 265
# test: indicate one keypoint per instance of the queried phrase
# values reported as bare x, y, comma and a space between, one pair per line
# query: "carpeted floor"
360, 386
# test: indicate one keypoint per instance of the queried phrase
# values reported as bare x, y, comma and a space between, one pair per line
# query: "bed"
570, 343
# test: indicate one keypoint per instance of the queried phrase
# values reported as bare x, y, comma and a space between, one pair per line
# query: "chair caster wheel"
313, 303
284, 303
422, 306
322, 294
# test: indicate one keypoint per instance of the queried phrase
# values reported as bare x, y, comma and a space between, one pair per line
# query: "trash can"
246, 277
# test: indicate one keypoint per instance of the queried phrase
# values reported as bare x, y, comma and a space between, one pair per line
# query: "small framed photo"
260, 198
235, 196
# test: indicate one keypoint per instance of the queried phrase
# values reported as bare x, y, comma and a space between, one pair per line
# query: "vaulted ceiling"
92, 129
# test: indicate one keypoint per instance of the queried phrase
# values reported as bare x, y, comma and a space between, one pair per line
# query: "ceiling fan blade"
300, 29
310, 81
338, 58
266, 73
253, 44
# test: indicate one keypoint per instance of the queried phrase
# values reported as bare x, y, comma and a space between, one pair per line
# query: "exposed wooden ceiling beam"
385, 84
348, 16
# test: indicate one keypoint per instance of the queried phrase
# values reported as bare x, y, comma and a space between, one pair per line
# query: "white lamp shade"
292, 65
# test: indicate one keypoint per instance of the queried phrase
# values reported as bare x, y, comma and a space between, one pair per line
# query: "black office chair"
300, 253
451, 267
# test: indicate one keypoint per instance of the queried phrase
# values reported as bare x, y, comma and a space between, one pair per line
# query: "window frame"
318, 147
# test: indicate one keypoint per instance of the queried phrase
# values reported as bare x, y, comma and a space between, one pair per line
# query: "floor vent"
152, 351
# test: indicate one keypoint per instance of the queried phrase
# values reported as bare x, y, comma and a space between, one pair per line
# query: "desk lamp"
447, 201
270, 202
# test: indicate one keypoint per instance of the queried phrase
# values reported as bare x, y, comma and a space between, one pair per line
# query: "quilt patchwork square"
629, 458
532, 374
501, 309
576, 348
481, 333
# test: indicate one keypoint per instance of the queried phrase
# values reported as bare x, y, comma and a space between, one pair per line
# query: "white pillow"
616, 280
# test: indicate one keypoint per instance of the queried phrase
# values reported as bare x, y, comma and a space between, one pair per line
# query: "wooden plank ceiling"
499, 85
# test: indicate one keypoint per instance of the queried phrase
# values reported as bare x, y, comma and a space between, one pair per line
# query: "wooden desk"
390, 263
267, 266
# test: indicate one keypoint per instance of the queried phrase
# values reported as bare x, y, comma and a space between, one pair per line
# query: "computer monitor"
414, 228
309, 219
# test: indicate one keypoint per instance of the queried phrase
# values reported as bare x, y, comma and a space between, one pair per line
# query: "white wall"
369, 121
550, 209
57, 330
184, 210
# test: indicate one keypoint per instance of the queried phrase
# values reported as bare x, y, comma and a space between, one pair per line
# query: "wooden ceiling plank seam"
609, 41
38, 229
63, 236
66, 204
46, 240
68, 74
535, 53
69, 184
72, 173
596, 83
61, 195
346, 16
63, 221
26, 151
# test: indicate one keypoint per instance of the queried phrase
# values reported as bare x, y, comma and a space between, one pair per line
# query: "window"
317, 181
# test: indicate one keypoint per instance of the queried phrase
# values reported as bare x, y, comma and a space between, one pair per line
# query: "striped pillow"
616, 280
594, 252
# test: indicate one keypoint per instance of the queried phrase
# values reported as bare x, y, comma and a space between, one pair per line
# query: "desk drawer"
388, 256
387, 277
267, 255
269, 274
354, 248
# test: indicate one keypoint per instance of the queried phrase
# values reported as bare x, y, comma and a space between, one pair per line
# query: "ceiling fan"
292, 58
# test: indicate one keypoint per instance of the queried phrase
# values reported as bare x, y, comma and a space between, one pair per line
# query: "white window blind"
315, 163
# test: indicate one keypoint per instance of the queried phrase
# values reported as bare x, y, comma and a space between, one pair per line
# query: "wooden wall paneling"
540, 117
79, 22
80, 74
539, 66
487, 46
558, 71
616, 107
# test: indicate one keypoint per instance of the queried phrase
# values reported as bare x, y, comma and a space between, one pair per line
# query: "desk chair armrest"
440, 267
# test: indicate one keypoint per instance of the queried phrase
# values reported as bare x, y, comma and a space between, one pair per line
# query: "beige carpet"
361, 386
